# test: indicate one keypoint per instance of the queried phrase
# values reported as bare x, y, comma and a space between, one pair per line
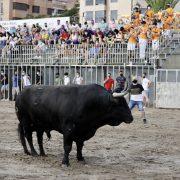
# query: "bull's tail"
22, 138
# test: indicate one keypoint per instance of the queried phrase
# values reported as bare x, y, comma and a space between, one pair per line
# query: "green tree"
161, 4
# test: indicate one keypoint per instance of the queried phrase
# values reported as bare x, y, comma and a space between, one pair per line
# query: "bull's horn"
120, 94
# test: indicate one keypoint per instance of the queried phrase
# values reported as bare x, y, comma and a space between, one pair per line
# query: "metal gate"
168, 88
91, 74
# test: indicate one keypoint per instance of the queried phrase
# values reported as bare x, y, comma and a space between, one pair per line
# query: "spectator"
58, 81
156, 32
25, 79
146, 84
109, 83
4, 83
78, 79
66, 79
15, 86
120, 82
149, 12
131, 46
39, 79
143, 39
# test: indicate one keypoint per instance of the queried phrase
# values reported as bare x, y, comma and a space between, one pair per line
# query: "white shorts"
5, 88
15, 90
131, 46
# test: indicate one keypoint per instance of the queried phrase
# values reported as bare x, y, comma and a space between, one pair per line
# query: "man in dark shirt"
136, 98
39, 78
120, 82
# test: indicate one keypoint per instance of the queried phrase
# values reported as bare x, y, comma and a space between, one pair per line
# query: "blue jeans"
139, 104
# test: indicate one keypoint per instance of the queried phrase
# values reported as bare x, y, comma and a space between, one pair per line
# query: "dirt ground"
132, 151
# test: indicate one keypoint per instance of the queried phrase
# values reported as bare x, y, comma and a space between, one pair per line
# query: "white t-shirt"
66, 80
78, 80
26, 81
145, 83
137, 97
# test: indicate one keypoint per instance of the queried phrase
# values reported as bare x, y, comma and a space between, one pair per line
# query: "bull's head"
119, 109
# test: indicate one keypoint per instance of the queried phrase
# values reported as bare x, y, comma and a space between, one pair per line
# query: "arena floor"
128, 152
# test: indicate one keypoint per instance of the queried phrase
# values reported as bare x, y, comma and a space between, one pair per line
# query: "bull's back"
47, 103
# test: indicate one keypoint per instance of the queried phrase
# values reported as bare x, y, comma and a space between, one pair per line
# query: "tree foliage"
161, 4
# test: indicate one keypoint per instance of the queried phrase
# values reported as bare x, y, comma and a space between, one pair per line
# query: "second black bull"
75, 111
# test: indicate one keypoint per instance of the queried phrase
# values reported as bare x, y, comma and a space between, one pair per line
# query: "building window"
114, 15
60, 11
114, 1
50, 11
20, 6
99, 15
100, 2
89, 2
89, 15
16, 18
35, 9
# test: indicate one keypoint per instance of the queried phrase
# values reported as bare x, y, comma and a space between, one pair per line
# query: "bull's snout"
129, 119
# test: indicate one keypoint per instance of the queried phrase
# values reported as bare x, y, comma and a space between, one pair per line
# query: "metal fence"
48, 74
168, 88
82, 54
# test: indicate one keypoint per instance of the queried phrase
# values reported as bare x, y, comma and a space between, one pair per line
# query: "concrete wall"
173, 62
167, 95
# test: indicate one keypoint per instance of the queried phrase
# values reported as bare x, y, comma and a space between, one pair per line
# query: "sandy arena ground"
125, 152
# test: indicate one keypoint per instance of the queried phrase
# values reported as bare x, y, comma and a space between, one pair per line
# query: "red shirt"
109, 84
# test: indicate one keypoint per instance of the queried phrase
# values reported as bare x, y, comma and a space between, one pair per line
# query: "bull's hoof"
43, 154
80, 158
34, 154
83, 162
27, 153
65, 163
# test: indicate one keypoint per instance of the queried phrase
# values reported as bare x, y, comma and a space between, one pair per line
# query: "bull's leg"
79, 145
28, 135
67, 142
40, 142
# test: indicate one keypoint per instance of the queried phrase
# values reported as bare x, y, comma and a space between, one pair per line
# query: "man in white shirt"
78, 79
66, 79
26, 79
146, 84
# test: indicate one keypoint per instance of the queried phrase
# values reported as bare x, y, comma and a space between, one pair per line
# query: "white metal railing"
73, 54
115, 53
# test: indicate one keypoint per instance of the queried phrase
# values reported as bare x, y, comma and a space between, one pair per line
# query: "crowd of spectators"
137, 31
90, 32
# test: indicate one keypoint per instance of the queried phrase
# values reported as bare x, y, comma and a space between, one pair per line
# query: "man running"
136, 98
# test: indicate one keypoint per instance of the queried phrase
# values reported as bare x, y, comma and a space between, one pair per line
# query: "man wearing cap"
136, 98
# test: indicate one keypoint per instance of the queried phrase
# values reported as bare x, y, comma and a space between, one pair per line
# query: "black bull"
75, 111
